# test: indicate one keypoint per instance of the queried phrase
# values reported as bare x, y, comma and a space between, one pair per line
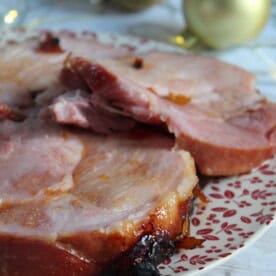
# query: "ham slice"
71, 203
28, 67
211, 107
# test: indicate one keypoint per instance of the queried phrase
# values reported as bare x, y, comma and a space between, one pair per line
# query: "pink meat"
26, 71
75, 108
211, 107
71, 203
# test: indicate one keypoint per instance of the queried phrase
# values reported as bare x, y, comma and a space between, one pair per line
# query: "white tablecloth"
260, 257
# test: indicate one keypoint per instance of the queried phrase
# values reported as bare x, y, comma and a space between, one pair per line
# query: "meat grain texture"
73, 202
81, 181
211, 107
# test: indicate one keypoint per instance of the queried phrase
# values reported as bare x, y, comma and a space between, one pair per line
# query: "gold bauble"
134, 5
223, 23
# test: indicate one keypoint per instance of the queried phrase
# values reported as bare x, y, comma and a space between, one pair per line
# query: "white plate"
240, 211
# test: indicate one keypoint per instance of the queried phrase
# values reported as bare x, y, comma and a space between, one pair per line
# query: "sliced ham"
74, 202
211, 107
28, 67
71, 203
75, 108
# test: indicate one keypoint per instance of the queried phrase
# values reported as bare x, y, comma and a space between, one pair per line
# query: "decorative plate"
240, 210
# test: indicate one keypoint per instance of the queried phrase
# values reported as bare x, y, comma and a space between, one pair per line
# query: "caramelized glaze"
49, 45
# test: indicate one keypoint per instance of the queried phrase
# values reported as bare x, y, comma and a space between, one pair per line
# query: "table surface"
259, 57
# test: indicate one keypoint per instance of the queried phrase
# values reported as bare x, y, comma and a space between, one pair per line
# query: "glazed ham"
211, 107
72, 203
30, 62
75, 108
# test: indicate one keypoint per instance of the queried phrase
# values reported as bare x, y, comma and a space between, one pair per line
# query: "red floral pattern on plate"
240, 207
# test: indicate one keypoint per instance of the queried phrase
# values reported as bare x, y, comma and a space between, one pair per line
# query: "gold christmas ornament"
223, 23
134, 5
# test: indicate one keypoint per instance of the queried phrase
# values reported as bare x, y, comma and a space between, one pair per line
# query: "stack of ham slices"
99, 147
